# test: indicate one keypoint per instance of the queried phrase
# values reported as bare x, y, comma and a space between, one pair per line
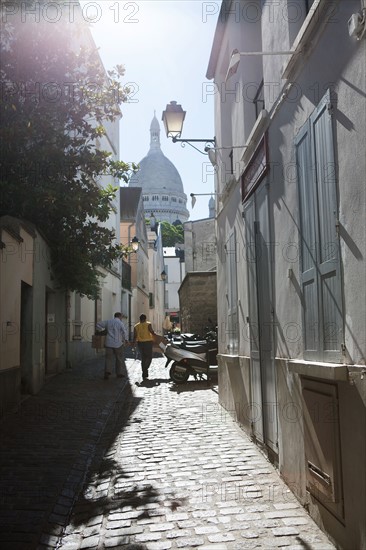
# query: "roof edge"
218, 37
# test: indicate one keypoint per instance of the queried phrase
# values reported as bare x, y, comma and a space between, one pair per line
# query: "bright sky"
165, 47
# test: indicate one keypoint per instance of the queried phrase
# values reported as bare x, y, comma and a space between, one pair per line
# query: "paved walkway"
99, 464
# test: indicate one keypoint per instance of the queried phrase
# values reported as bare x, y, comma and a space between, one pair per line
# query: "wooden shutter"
320, 255
329, 274
308, 260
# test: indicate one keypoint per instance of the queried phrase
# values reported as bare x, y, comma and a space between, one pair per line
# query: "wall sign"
257, 168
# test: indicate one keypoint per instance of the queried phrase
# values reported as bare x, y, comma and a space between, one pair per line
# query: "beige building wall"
17, 257
32, 313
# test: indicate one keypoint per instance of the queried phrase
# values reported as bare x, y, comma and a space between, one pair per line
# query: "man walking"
115, 340
143, 335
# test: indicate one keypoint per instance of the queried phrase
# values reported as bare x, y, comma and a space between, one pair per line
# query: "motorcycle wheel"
178, 376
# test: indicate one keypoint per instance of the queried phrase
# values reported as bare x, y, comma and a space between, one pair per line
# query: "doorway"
26, 337
260, 320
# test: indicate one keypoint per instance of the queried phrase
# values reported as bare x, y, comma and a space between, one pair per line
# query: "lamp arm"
189, 141
205, 194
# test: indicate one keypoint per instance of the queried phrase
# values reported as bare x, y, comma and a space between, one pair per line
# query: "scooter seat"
200, 348
197, 348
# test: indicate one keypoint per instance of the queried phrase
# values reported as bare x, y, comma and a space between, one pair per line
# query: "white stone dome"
161, 184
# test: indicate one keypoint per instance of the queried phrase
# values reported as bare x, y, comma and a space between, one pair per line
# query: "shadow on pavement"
153, 382
108, 487
195, 385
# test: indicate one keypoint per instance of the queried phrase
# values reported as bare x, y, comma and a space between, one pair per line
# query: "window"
174, 199
319, 243
145, 198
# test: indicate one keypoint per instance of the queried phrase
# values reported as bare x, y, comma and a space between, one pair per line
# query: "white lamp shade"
173, 118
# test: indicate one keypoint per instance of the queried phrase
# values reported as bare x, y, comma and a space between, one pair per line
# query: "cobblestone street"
101, 464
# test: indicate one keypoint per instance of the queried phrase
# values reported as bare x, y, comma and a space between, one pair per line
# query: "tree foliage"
171, 234
55, 103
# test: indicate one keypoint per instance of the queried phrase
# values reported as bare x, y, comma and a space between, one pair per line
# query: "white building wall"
110, 295
289, 104
175, 274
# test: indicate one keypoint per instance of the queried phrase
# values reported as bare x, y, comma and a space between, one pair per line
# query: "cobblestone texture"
101, 464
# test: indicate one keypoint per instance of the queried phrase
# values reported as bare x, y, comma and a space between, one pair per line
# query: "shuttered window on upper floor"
319, 243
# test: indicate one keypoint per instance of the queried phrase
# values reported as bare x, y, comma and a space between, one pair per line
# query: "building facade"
162, 187
174, 267
46, 330
157, 276
198, 292
33, 341
133, 225
291, 244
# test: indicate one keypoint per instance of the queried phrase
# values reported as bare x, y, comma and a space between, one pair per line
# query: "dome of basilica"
162, 187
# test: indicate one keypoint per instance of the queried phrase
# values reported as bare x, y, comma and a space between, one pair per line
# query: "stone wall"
198, 301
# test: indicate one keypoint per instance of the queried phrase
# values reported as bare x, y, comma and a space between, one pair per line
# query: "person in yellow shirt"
143, 334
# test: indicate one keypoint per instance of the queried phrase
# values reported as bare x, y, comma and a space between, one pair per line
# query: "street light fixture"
236, 55
162, 277
173, 118
135, 243
194, 195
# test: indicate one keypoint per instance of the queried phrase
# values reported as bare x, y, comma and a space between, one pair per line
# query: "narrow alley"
99, 464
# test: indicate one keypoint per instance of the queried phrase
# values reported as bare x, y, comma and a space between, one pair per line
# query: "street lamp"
162, 277
135, 243
194, 195
236, 55
173, 118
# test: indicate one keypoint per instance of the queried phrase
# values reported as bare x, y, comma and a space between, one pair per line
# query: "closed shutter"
320, 256
308, 260
232, 293
329, 273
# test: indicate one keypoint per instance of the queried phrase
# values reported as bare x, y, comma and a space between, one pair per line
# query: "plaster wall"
47, 333
175, 274
343, 73
348, 92
234, 388
16, 266
156, 284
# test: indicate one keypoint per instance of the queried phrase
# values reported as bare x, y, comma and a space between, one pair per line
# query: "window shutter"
329, 273
308, 259
320, 253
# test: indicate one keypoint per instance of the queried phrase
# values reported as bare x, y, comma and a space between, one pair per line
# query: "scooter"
191, 358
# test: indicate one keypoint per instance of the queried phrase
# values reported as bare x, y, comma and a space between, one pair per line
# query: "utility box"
322, 446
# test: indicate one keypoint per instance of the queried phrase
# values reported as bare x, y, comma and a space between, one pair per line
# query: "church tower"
162, 187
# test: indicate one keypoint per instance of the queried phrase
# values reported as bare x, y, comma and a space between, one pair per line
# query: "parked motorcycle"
191, 357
